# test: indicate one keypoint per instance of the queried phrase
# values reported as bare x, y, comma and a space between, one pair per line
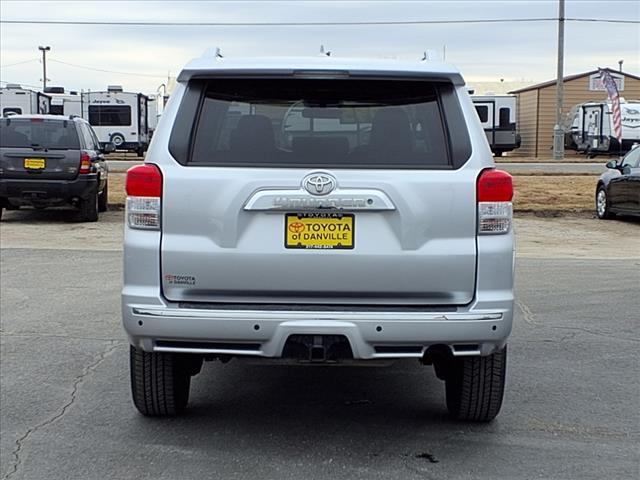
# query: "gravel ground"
561, 237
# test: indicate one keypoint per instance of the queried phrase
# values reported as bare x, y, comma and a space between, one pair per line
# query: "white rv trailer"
22, 101
155, 106
152, 113
497, 115
64, 103
589, 128
118, 117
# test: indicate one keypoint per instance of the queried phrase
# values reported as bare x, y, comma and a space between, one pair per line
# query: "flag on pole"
612, 90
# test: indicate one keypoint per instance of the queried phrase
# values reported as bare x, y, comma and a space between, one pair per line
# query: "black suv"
52, 160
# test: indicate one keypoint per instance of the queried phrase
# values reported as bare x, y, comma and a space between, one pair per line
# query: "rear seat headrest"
328, 147
253, 132
391, 130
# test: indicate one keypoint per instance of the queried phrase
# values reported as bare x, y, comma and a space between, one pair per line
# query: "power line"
85, 67
18, 63
308, 24
604, 20
265, 24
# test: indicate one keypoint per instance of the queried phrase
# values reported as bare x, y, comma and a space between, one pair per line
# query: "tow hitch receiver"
317, 348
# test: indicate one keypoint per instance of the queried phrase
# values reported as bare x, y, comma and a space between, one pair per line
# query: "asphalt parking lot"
572, 407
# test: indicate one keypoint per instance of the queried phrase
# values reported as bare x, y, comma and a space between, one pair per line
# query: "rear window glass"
504, 114
110, 115
39, 133
56, 109
304, 122
483, 113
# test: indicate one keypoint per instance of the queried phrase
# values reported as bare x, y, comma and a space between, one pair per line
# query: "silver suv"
319, 210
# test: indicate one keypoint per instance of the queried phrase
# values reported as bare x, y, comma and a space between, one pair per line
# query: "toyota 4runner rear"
319, 211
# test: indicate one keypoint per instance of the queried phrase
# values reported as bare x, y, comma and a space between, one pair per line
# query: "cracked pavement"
17, 457
572, 406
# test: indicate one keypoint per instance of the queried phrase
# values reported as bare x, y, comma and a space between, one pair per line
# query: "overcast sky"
483, 52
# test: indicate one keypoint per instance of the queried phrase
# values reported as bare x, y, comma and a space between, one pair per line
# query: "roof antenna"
323, 52
213, 53
427, 56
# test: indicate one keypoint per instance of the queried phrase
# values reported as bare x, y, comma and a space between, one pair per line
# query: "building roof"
569, 78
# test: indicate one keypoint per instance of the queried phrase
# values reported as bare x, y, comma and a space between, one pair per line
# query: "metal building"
536, 106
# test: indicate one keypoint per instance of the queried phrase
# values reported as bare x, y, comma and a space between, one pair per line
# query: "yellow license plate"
34, 163
319, 230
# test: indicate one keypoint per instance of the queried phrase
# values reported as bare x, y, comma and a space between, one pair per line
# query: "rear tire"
603, 205
118, 140
475, 387
103, 198
160, 382
89, 207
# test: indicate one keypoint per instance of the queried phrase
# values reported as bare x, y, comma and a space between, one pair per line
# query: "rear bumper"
46, 192
401, 334
133, 146
507, 146
156, 324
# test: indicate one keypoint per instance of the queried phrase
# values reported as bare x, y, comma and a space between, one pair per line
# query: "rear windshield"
308, 122
38, 133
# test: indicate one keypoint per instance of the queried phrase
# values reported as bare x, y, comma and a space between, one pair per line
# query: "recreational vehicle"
589, 128
152, 114
119, 117
497, 115
21, 101
64, 103
155, 106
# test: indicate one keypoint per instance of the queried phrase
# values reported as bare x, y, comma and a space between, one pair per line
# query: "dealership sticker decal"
180, 279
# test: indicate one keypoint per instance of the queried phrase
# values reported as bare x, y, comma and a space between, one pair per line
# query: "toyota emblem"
319, 183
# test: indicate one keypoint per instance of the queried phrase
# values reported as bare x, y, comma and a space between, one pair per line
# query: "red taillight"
85, 162
495, 186
495, 212
144, 192
144, 181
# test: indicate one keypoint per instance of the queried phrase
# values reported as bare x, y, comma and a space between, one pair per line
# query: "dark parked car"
618, 190
52, 160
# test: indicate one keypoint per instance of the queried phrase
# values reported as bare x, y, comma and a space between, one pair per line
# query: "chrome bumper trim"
311, 315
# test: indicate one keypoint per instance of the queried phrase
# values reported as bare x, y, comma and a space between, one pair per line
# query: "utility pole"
558, 133
44, 51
